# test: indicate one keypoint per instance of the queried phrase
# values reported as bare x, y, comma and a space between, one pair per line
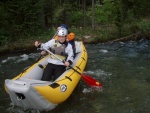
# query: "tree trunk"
84, 14
42, 16
93, 22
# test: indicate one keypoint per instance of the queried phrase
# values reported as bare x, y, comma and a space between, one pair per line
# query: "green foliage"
103, 13
144, 26
3, 39
20, 18
77, 17
114, 18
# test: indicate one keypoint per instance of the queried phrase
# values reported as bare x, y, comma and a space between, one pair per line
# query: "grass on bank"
102, 33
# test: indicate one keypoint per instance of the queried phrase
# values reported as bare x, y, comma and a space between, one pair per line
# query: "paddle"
54, 35
89, 80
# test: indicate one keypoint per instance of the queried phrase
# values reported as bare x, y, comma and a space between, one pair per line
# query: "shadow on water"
122, 68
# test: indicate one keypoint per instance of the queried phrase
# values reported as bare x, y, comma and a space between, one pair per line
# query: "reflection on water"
122, 68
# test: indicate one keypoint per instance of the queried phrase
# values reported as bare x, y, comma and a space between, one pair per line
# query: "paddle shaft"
60, 60
54, 35
89, 80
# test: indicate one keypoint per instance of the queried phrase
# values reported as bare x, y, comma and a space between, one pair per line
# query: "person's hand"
37, 43
67, 64
43, 52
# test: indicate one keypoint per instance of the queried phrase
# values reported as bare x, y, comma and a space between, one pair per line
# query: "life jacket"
56, 37
59, 50
72, 42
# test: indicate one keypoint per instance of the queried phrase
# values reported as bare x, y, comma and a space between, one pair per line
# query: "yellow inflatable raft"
27, 89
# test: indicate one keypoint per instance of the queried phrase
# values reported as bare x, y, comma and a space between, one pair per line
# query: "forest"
101, 19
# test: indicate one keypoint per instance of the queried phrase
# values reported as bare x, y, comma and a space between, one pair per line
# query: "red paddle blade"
90, 81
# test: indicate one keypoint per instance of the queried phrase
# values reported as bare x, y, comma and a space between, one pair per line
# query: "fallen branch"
133, 36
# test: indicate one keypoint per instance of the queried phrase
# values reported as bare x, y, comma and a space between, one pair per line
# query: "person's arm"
46, 45
70, 57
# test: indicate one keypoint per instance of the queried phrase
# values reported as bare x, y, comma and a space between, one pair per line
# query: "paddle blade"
91, 81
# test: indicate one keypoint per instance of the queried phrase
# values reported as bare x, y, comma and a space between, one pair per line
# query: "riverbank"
17, 47
101, 34
27, 46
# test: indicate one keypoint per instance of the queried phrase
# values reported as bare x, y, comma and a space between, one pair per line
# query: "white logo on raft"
63, 88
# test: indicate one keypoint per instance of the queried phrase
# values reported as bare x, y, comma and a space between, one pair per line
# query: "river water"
122, 67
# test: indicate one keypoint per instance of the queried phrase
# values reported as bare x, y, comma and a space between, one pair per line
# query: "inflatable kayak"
27, 89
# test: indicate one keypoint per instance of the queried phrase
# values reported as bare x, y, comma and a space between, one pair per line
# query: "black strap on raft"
84, 50
78, 67
54, 85
68, 78
83, 58
41, 66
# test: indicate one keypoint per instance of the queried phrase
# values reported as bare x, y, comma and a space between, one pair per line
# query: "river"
122, 67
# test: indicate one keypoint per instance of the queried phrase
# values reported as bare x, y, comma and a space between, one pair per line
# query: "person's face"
61, 38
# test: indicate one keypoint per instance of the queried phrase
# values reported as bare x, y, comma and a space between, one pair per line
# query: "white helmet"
62, 32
